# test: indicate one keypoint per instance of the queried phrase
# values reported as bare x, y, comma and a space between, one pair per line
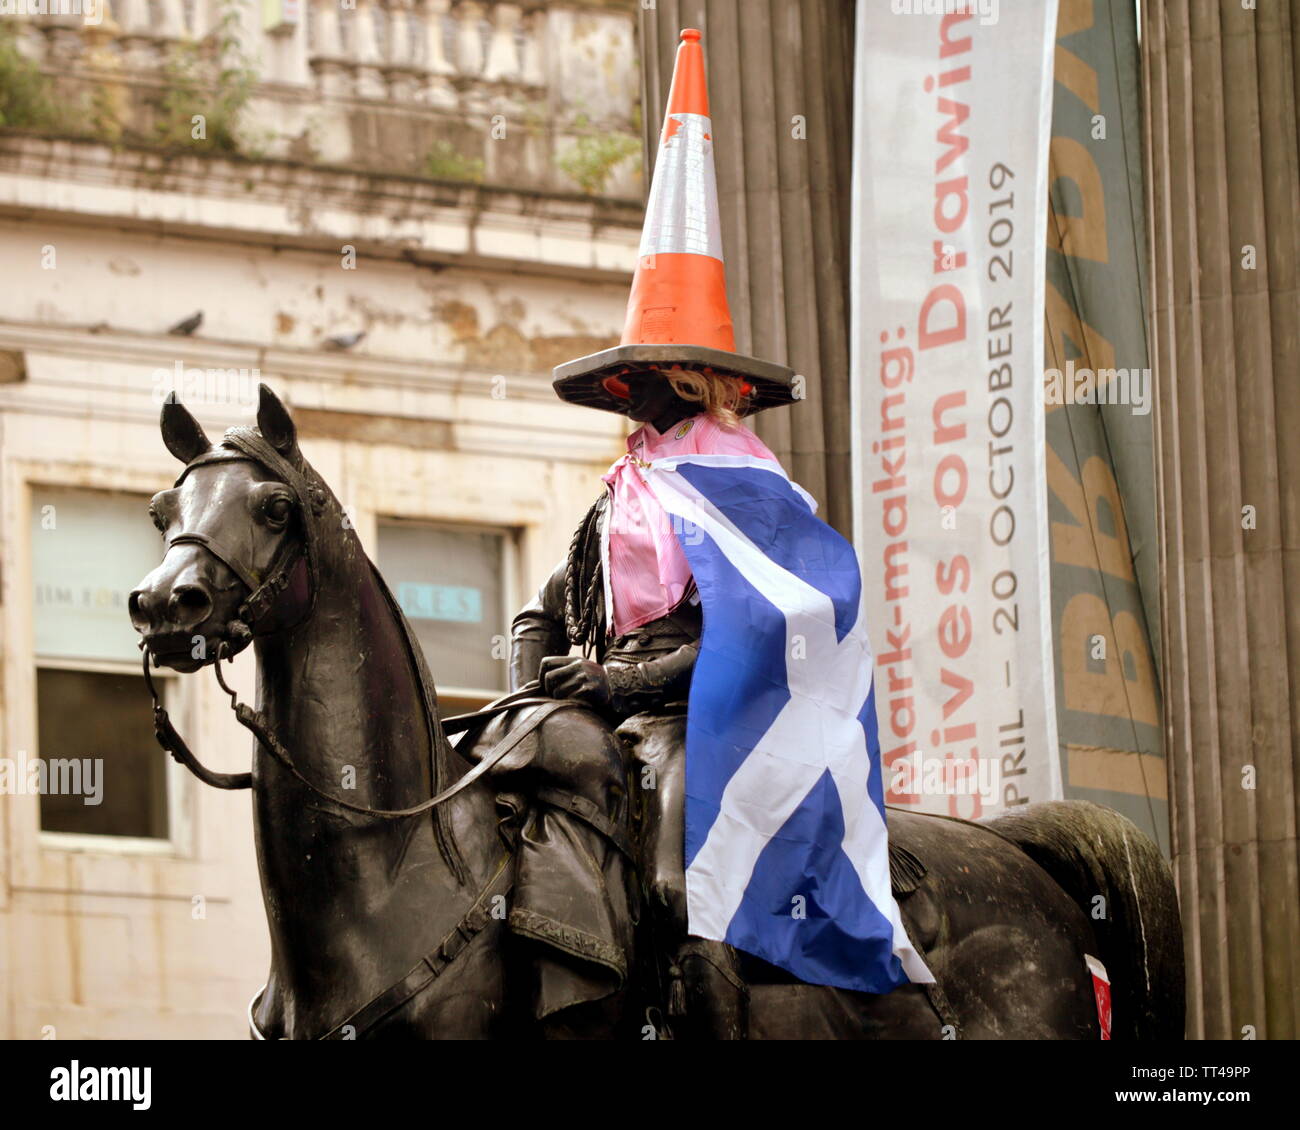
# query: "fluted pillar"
780, 78
1223, 176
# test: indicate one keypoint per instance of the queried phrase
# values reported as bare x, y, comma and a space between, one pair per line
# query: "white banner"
952, 117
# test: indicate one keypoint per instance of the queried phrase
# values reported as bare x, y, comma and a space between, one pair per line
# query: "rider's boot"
707, 998
710, 997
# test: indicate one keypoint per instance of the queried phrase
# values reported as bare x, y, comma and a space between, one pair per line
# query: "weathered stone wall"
540, 96
468, 290
1223, 180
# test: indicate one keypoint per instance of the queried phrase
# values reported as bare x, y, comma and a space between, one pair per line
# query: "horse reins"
500, 883
263, 593
171, 741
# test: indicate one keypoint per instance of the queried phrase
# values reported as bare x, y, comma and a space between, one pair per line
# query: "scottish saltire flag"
786, 854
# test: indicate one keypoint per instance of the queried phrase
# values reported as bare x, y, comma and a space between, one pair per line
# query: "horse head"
237, 525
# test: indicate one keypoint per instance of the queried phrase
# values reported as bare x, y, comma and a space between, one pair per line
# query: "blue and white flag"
786, 853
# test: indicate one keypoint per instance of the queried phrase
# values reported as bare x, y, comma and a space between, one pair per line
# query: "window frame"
178, 837
58, 862
179, 841
511, 537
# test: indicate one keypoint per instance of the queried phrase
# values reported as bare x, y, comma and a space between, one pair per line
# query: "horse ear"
274, 421
181, 431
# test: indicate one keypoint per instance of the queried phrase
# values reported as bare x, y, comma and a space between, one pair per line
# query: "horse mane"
440, 748
320, 510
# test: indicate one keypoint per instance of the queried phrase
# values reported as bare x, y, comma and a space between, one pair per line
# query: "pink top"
647, 571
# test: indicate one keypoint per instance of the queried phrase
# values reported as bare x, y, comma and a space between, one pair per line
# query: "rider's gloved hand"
566, 676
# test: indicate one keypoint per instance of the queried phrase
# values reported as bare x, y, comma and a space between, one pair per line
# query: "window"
103, 717
452, 584
106, 775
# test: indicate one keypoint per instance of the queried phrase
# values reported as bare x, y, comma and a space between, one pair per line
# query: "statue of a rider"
625, 596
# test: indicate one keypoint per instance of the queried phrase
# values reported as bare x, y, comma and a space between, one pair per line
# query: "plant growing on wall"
200, 109
593, 157
446, 162
27, 99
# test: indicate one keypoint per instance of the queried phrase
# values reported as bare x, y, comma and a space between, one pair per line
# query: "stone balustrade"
533, 95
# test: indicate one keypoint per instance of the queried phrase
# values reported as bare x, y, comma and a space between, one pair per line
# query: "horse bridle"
170, 739
311, 499
263, 594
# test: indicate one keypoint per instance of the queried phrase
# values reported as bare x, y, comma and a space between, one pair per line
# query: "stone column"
1223, 175
780, 78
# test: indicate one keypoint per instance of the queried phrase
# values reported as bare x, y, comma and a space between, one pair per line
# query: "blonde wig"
718, 395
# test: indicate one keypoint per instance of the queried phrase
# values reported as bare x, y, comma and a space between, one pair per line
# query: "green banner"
1099, 398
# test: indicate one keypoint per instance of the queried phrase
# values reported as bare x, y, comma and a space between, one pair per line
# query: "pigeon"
344, 341
187, 327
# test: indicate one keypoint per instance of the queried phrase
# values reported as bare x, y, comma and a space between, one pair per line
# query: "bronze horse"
386, 855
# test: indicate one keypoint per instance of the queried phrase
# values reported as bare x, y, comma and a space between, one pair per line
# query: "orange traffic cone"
678, 314
679, 291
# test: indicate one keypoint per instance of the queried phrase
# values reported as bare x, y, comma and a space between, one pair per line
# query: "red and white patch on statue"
1101, 990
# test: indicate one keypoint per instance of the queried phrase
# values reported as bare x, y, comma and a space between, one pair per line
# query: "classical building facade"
1210, 761
399, 215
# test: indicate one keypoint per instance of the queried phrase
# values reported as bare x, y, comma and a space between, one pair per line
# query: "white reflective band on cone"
682, 212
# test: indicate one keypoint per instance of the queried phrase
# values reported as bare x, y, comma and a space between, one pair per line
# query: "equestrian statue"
673, 826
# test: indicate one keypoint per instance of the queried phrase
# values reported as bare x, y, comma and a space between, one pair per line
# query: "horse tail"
1094, 852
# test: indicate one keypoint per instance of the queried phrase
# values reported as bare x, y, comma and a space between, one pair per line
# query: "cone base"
580, 381
679, 298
